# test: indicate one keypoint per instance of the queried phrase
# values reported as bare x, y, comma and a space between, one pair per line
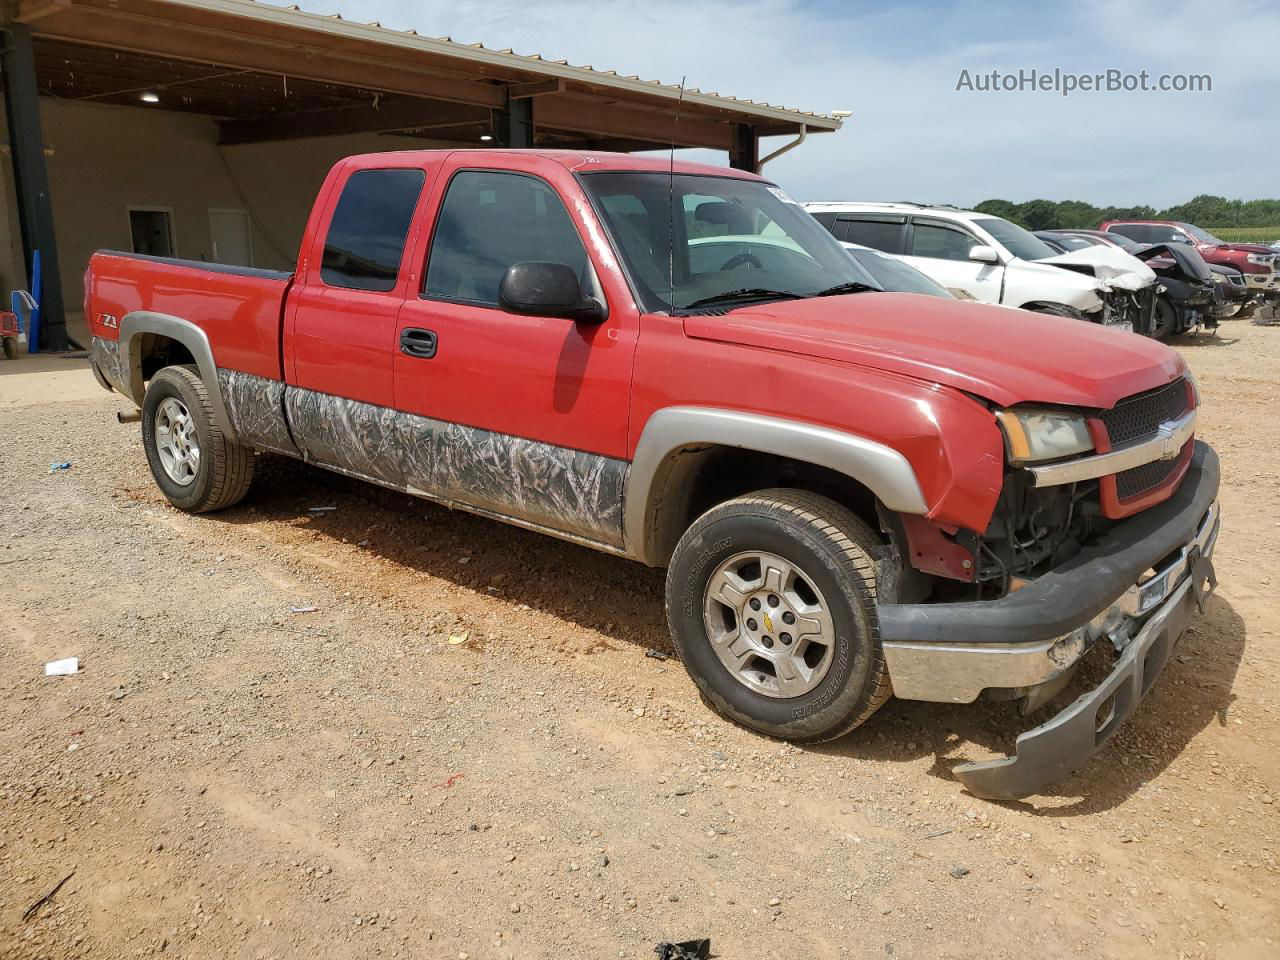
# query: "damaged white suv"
995, 261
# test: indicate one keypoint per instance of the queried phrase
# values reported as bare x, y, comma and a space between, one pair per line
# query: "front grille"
1130, 483
1138, 417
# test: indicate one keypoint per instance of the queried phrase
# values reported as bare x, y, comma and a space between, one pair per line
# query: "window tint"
1134, 231
878, 234
939, 242
370, 223
490, 221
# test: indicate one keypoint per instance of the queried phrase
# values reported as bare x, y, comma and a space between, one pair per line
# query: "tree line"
1205, 211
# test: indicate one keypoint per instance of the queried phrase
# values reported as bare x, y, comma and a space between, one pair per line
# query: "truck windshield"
895, 275
1202, 236
690, 240
1023, 244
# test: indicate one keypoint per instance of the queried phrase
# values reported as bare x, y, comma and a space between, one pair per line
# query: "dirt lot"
228, 778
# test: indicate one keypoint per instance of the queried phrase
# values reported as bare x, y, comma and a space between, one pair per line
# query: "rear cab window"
366, 236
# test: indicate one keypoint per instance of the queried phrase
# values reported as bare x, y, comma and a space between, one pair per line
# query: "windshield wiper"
746, 293
853, 286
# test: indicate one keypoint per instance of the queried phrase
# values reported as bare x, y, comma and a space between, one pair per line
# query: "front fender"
881, 469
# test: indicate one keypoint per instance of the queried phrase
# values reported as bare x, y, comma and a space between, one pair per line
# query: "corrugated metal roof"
507, 58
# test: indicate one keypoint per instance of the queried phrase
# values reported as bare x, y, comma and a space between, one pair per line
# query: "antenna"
671, 205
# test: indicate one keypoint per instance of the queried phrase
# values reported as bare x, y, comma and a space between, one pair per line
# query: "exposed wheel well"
1056, 309
159, 351
692, 480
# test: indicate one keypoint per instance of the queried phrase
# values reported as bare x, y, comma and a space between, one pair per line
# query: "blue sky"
912, 135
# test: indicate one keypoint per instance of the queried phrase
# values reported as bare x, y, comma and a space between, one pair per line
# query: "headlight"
1261, 258
1219, 278
1195, 388
1035, 435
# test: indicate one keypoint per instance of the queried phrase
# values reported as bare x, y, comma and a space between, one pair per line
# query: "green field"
1246, 234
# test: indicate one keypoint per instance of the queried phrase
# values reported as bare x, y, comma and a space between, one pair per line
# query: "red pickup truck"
855, 493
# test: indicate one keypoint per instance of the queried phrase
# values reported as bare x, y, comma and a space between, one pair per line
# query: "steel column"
31, 180
514, 124
744, 153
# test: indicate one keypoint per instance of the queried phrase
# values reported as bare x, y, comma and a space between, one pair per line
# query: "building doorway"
232, 241
151, 229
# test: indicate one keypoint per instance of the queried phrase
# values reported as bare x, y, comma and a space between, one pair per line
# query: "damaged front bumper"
1136, 587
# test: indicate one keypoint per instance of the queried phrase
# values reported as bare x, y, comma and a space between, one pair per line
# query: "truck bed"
239, 308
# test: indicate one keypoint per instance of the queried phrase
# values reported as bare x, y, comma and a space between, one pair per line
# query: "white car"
996, 261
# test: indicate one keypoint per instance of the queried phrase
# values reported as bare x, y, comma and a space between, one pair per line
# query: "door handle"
416, 342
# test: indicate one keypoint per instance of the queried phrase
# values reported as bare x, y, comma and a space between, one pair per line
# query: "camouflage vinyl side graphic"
565, 490
256, 408
105, 355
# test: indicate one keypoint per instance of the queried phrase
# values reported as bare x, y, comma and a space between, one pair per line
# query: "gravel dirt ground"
464, 750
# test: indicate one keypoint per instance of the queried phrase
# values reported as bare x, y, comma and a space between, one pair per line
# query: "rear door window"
1140, 232
828, 220
879, 233
491, 220
365, 242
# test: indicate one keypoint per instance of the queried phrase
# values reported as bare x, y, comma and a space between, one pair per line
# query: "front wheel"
771, 600
195, 466
1164, 323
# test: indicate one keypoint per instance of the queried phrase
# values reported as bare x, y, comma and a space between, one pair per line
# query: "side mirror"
542, 289
983, 253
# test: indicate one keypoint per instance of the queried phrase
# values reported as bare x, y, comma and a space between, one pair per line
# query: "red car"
855, 493
1258, 263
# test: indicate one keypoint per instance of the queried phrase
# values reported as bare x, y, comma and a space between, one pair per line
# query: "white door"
232, 242
941, 251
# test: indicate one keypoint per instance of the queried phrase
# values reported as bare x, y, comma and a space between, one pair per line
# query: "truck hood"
1245, 248
1115, 269
1005, 356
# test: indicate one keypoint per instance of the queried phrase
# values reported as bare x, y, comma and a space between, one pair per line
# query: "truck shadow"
1189, 341
621, 603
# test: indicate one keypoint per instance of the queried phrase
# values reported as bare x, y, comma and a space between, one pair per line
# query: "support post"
514, 123
744, 154
31, 180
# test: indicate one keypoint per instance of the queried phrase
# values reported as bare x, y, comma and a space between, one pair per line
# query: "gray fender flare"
132, 328
881, 469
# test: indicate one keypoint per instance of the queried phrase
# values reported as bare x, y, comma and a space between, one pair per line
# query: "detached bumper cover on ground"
1037, 634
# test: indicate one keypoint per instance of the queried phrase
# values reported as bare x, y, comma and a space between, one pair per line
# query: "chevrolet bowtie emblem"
768, 623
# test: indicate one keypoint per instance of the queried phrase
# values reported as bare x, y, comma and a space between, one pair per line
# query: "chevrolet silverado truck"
855, 493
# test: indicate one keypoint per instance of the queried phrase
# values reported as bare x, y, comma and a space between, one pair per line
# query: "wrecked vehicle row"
995, 261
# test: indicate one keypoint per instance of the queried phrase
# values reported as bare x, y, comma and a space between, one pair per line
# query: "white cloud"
912, 135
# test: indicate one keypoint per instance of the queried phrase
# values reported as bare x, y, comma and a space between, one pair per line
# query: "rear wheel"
194, 465
11, 348
771, 599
